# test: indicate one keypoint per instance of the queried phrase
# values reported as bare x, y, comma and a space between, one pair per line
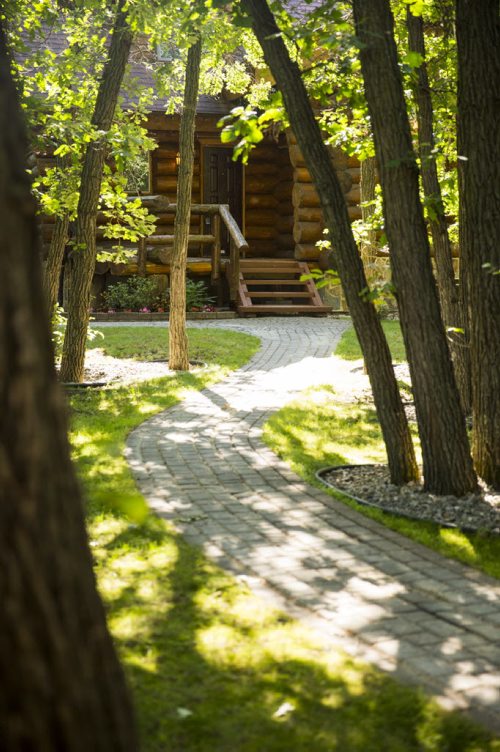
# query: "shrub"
134, 293
197, 296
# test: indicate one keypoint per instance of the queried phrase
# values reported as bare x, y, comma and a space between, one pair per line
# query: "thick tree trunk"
447, 288
178, 354
445, 449
478, 131
83, 257
53, 265
366, 323
62, 685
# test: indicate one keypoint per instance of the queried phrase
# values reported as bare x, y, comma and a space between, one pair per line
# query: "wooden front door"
223, 183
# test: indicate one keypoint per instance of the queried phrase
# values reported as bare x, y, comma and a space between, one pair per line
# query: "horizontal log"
283, 190
339, 158
307, 232
260, 217
169, 239
156, 203
166, 151
355, 173
306, 252
260, 233
165, 166
160, 255
194, 266
168, 184
296, 156
260, 184
263, 153
304, 194
261, 248
284, 224
260, 200
261, 168
354, 212
285, 240
309, 214
302, 175
354, 195
170, 167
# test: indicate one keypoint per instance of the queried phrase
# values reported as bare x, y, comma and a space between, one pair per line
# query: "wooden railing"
216, 215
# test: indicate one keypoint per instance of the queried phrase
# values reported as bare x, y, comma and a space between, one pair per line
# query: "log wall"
282, 216
268, 211
308, 221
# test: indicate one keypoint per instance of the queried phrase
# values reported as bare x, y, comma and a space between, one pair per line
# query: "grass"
349, 349
212, 668
317, 430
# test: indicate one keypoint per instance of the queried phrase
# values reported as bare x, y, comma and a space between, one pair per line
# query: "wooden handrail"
238, 246
169, 239
233, 228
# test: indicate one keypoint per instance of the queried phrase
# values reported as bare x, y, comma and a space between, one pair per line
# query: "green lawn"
317, 430
349, 349
212, 668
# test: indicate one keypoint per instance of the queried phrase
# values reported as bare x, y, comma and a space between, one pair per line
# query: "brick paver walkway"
428, 620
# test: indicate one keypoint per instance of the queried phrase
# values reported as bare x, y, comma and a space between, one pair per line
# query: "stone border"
136, 316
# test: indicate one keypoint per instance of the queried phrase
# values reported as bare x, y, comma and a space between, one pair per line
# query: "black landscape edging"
371, 505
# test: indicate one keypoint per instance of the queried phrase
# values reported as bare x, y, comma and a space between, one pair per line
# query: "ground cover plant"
317, 430
212, 668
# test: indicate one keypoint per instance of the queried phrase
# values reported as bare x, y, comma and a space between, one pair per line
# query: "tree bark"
53, 265
367, 183
178, 348
451, 309
388, 403
445, 449
478, 133
83, 257
62, 685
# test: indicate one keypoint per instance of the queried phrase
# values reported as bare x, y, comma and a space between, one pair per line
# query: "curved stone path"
425, 619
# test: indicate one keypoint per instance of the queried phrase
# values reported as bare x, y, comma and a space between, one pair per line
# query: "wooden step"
277, 274
276, 281
279, 294
284, 309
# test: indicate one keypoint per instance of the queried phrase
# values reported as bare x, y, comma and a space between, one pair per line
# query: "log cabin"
254, 227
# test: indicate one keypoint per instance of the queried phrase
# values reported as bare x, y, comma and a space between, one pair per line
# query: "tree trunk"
447, 288
367, 183
178, 354
478, 132
445, 450
83, 257
62, 685
53, 265
390, 410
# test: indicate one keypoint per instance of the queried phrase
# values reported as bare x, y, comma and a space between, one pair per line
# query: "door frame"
213, 142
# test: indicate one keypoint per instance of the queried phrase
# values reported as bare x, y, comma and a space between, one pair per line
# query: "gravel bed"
104, 368
371, 485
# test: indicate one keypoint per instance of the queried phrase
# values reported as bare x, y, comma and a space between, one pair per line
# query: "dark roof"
142, 66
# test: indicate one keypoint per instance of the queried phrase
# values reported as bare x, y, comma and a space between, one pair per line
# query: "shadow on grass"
211, 667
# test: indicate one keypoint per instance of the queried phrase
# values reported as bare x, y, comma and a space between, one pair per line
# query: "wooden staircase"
273, 286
